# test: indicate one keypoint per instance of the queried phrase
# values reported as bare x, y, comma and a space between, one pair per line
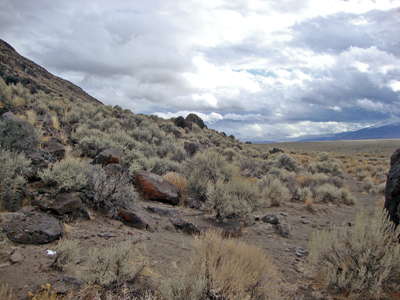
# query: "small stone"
16, 257
301, 252
271, 219
184, 226
283, 229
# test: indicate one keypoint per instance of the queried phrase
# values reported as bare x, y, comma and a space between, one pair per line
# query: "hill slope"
389, 131
15, 68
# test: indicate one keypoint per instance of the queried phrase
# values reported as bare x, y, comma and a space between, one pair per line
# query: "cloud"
257, 69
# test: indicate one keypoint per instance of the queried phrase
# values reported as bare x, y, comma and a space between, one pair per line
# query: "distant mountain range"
388, 131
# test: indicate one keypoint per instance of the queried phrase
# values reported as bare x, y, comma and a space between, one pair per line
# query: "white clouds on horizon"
279, 68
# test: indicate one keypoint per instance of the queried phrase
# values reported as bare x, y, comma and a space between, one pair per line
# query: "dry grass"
362, 260
45, 293
180, 182
5, 292
225, 269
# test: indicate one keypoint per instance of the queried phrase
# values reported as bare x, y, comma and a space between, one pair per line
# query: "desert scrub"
13, 170
18, 135
275, 191
223, 268
110, 189
68, 174
204, 168
329, 166
328, 193
285, 161
104, 266
180, 182
114, 264
362, 260
235, 198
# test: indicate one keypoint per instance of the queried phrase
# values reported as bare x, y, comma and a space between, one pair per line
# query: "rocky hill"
15, 68
97, 202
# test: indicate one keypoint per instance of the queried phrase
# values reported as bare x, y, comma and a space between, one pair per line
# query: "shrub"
204, 168
179, 181
111, 189
225, 269
362, 260
235, 198
275, 191
328, 193
114, 264
332, 167
14, 168
68, 174
284, 161
18, 135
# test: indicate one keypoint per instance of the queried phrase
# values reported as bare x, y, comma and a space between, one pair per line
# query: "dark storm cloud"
336, 33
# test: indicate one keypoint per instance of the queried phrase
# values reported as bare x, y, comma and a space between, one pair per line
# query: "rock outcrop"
156, 188
392, 191
33, 228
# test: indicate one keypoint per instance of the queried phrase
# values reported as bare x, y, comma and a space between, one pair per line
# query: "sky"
262, 70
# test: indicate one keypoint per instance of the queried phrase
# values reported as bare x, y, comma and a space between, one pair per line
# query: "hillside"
15, 68
388, 131
97, 202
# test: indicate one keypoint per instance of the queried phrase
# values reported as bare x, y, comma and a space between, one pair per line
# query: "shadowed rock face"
156, 188
33, 228
392, 191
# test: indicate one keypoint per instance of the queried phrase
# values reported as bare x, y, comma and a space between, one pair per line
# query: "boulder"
231, 228
33, 228
184, 226
156, 188
180, 122
270, 219
132, 219
108, 156
54, 148
161, 211
16, 257
392, 190
65, 203
193, 118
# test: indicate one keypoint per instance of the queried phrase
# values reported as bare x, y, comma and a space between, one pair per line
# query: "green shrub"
68, 174
235, 198
362, 260
18, 136
14, 168
225, 269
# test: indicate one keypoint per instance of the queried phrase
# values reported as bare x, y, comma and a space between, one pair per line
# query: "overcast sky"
258, 69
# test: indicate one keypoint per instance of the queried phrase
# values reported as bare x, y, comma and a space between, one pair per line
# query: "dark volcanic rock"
55, 149
184, 226
67, 203
156, 188
162, 211
270, 219
193, 118
108, 156
392, 191
132, 219
33, 228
